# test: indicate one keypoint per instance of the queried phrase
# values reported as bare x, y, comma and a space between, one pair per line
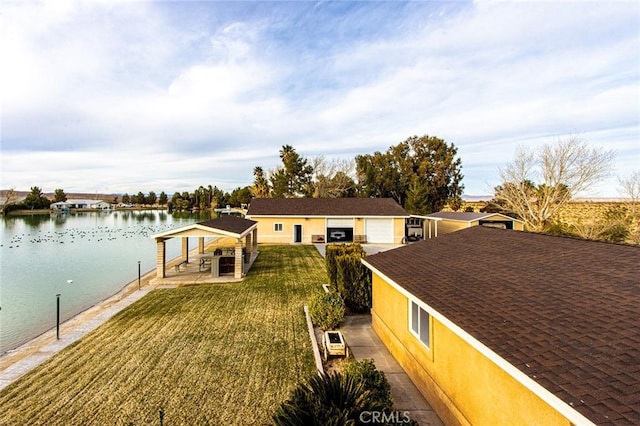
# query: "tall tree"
59, 195
162, 199
422, 174
240, 196
293, 178
36, 199
332, 178
539, 182
260, 187
151, 198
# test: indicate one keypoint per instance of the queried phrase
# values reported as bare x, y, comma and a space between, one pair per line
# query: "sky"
128, 96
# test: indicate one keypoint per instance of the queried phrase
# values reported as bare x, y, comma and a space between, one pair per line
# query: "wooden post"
238, 266
160, 258
185, 248
255, 240
249, 246
201, 245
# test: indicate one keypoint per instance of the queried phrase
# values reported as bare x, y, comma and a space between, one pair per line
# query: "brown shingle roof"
465, 216
564, 311
234, 224
325, 207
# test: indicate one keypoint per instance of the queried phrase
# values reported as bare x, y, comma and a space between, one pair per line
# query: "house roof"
229, 226
83, 201
325, 207
233, 224
563, 311
465, 216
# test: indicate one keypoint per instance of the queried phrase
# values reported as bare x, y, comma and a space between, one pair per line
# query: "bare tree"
630, 190
10, 197
333, 178
538, 183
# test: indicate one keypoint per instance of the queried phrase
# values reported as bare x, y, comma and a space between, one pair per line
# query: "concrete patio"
364, 343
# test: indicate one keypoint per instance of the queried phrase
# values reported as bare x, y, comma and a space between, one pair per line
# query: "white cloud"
203, 93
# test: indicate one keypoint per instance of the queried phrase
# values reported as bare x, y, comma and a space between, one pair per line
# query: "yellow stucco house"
514, 328
327, 220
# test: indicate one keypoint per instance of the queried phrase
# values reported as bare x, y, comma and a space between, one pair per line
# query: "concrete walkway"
34, 353
364, 343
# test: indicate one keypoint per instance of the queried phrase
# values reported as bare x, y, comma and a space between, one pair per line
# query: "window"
277, 227
419, 323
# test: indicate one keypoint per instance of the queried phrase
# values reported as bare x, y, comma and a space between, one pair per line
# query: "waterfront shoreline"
14, 363
35, 344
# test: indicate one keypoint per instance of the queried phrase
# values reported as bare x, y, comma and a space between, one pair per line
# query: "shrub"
327, 399
326, 310
332, 252
354, 282
373, 380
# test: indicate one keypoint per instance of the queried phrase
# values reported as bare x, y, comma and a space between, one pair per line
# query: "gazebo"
224, 227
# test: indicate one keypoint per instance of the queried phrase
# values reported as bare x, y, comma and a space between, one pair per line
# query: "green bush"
326, 310
354, 282
327, 399
332, 252
373, 380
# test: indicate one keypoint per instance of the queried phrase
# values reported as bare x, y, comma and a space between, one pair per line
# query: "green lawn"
211, 354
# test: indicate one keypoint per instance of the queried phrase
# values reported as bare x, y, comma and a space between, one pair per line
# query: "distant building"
81, 204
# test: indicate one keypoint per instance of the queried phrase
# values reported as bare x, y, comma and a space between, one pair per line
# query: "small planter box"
333, 344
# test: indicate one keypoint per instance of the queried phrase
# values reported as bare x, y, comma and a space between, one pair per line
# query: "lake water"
98, 251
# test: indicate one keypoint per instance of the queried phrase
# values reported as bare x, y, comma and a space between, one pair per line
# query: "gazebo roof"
225, 226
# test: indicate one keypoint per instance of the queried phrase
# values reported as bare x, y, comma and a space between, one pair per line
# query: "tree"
10, 198
630, 190
162, 199
260, 187
293, 178
561, 171
151, 198
333, 178
219, 198
240, 196
36, 199
126, 199
140, 198
422, 174
59, 196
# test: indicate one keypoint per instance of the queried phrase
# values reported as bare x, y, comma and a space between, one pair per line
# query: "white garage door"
340, 223
379, 230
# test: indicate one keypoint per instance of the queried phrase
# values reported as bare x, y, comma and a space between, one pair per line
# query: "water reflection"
99, 251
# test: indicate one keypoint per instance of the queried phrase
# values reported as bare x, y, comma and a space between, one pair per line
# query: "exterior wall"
398, 230
463, 386
311, 226
446, 226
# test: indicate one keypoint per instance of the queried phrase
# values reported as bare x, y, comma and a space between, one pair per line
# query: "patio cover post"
185, 248
201, 245
160, 258
238, 266
255, 239
249, 246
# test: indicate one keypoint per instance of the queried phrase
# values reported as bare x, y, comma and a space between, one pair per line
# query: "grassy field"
207, 355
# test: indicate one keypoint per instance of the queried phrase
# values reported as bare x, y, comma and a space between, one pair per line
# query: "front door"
297, 233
